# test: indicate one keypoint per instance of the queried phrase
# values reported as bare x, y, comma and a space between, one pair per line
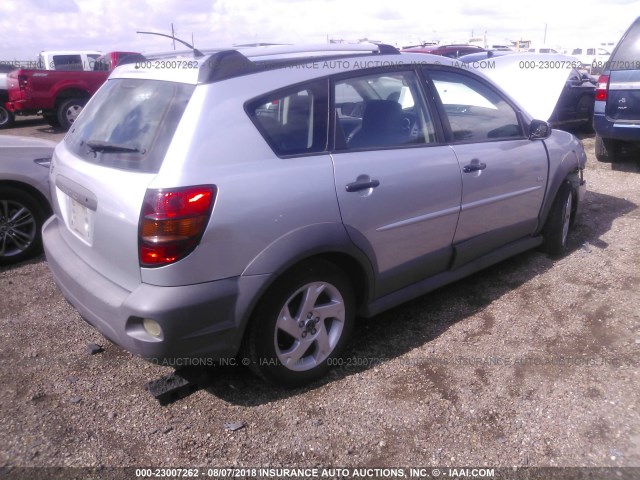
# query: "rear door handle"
474, 167
362, 185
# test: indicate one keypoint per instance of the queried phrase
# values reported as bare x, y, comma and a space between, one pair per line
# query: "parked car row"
60, 93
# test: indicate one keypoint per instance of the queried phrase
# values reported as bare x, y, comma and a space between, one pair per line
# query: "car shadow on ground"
628, 159
413, 325
33, 121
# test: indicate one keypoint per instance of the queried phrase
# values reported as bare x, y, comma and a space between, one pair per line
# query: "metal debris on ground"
94, 348
233, 426
177, 385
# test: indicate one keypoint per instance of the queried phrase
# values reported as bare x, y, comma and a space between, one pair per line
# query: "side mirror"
539, 130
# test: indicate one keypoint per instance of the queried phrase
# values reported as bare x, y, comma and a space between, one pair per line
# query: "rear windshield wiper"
97, 146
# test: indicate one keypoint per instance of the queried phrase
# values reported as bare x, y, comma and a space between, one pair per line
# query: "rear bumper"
199, 321
20, 107
609, 129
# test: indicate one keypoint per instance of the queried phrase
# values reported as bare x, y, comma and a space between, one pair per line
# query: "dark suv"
616, 118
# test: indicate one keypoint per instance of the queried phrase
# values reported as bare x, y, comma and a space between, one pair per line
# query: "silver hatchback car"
255, 201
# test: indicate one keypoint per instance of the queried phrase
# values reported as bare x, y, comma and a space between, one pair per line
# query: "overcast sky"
29, 26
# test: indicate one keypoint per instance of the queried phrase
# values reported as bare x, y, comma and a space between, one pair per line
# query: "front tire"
301, 325
69, 110
556, 231
21, 219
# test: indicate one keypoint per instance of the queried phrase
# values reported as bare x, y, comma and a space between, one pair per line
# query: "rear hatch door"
623, 99
101, 171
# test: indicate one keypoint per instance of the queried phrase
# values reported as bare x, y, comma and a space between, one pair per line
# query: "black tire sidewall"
5, 114
552, 232
52, 120
31, 204
259, 342
64, 106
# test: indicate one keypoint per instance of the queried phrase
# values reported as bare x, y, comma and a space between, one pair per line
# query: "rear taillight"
601, 88
172, 222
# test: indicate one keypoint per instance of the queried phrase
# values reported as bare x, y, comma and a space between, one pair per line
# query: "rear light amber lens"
601, 88
172, 222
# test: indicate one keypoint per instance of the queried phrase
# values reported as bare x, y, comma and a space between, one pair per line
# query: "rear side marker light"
172, 222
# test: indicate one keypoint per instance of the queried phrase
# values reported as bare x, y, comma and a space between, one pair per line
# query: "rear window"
129, 123
627, 54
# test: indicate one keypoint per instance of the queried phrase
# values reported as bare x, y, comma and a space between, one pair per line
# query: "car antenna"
196, 52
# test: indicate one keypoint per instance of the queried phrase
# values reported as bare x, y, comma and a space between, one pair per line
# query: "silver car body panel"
17, 165
412, 213
106, 237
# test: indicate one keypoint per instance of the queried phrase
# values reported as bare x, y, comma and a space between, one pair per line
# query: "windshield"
129, 123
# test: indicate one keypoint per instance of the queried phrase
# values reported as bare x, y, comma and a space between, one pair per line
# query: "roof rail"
231, 63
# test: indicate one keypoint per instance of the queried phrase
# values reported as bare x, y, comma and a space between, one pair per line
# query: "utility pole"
544, 41
173, 35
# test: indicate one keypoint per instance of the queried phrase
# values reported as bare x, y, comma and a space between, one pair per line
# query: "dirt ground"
533, 362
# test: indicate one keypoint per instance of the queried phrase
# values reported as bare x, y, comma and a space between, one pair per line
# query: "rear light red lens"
601, 88
172, 222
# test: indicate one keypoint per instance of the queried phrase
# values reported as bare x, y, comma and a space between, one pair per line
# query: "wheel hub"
309, 326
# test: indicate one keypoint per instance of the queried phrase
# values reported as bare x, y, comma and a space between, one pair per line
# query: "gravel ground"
533, 362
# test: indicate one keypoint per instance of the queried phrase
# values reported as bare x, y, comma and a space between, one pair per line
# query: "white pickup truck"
68, 59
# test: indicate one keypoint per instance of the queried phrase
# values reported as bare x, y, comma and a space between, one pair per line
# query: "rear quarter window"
130, 123
293, 121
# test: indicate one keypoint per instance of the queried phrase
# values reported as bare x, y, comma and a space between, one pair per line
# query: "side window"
67, 62
294, 121
380, 110
475, 112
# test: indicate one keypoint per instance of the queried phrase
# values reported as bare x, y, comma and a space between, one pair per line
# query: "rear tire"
585, 110
21, 219
301, 325
556, 231
6, 117
69, 110
606, 150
